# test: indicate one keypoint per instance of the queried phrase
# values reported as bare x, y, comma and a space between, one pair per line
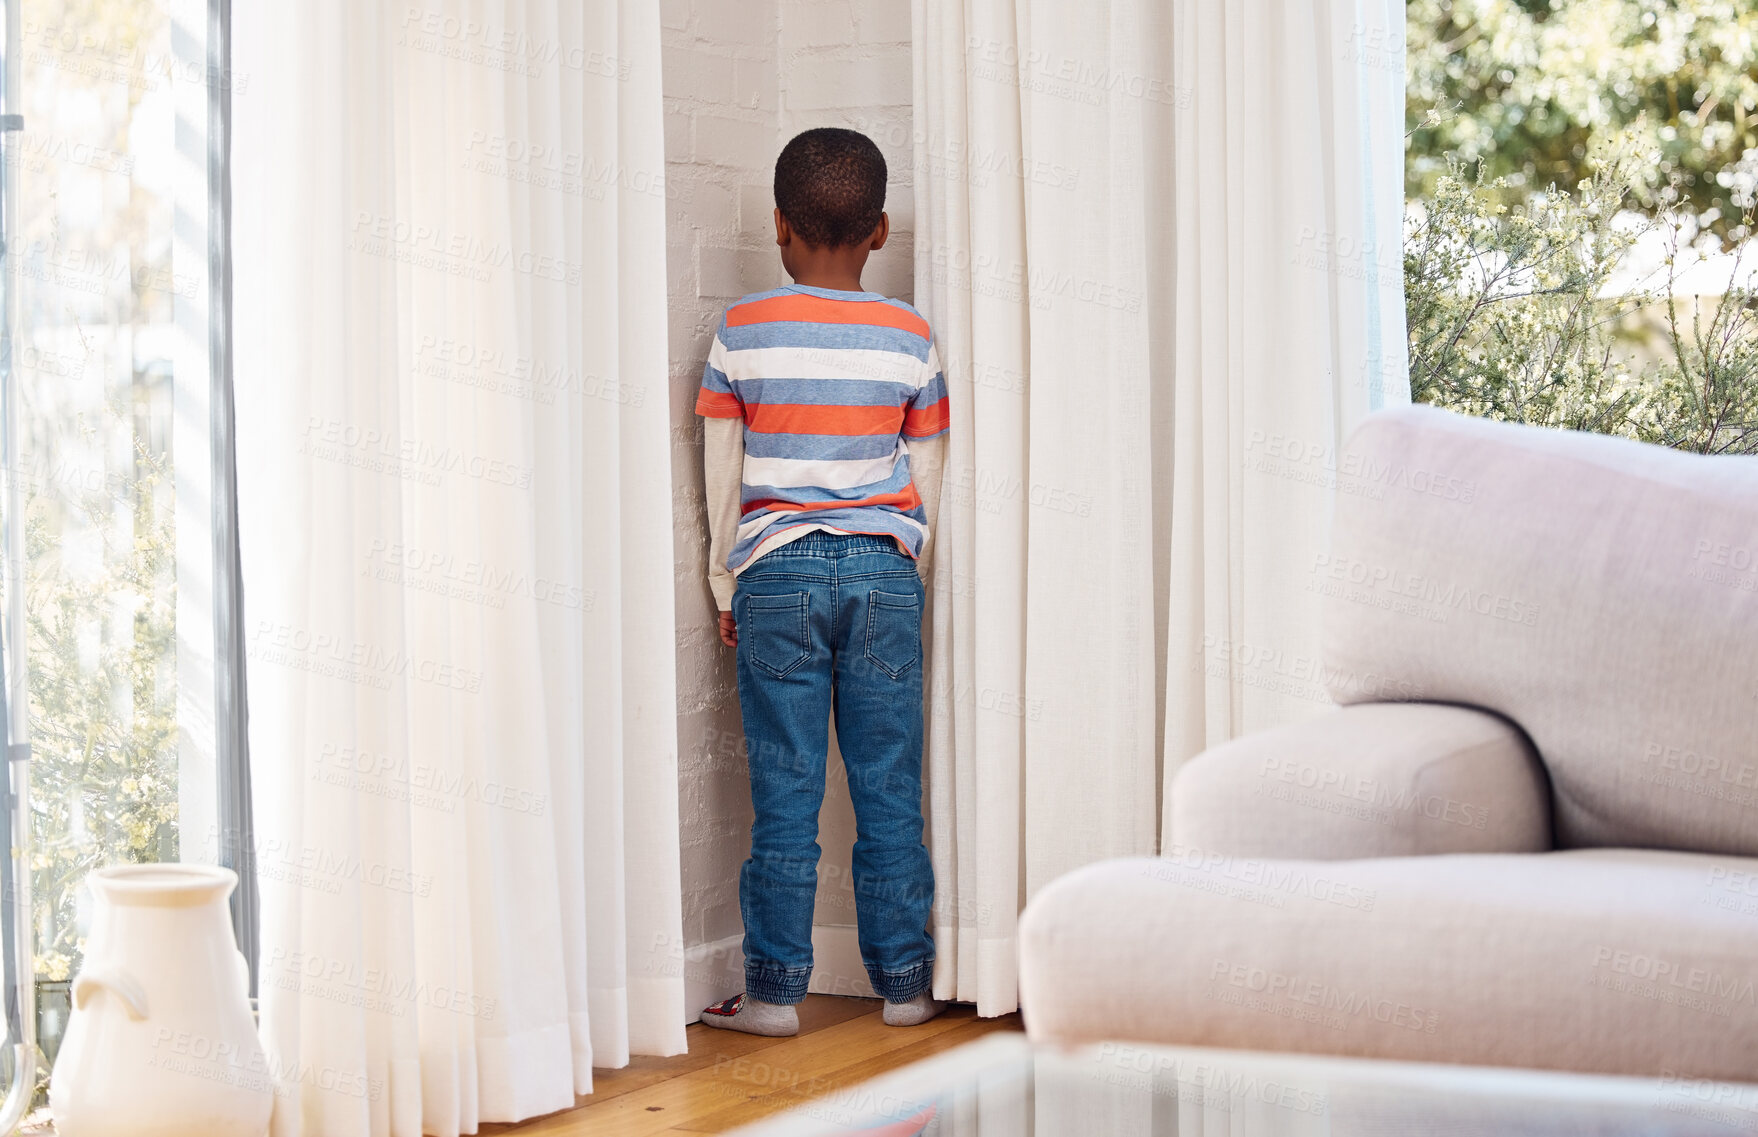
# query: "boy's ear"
881, 233
784, 233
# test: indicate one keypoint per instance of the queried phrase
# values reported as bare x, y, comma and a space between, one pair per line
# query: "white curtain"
455, 510
1159, 245
1288, 330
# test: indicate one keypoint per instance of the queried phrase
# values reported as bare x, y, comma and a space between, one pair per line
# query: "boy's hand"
729, 630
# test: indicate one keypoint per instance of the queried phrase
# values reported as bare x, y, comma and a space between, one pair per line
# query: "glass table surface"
1005, 1086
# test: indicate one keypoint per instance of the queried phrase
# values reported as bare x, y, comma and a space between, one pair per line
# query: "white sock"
914, 1011
753, 1016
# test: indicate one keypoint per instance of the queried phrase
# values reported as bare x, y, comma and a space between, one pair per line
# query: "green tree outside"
1548, 144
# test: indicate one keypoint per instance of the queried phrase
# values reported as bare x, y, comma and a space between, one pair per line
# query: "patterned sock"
917, 1010
753, 1016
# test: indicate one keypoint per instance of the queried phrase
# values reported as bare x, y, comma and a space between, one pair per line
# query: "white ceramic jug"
161, 1040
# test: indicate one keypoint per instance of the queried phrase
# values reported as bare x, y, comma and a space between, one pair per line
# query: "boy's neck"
835, 283
838, 269
839, 282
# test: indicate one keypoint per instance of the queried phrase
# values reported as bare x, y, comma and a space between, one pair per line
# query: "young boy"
825, 439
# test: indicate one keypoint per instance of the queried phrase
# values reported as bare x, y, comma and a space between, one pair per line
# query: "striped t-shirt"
831, 385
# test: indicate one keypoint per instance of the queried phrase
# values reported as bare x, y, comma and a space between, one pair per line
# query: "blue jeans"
831, 623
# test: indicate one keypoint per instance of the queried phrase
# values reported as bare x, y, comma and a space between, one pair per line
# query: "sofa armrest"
1369, 780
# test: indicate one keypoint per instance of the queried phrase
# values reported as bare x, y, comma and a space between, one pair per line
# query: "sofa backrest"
1601, 593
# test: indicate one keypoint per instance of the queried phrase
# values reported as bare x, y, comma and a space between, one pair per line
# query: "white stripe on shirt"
830, 474
819, 363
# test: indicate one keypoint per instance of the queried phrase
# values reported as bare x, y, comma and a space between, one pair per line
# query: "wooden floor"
728, 1079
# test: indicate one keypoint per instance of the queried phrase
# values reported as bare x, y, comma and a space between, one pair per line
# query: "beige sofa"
1528, 835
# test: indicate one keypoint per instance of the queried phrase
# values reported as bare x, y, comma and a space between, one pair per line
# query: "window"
1581, 180
118, 478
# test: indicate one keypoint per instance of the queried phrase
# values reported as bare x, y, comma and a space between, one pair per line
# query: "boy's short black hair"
830, 185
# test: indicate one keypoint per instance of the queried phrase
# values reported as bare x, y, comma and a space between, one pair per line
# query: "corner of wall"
739, 79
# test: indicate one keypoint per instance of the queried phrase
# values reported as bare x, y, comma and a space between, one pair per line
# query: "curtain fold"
1288, 329
1159, 246
454, 485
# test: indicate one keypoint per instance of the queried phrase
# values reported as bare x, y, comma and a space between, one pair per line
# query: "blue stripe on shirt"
790, 333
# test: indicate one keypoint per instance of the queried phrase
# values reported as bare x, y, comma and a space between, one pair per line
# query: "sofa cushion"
1617, 961
1601, 593
1371, 780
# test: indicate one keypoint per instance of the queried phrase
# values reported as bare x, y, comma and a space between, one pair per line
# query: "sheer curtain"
456, 531
1288, 329
1159, 244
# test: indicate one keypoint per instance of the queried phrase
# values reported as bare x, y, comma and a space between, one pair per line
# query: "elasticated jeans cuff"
784, 985
902, 986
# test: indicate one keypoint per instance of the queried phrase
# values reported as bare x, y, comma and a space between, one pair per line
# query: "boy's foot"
753, 1016
914, 1012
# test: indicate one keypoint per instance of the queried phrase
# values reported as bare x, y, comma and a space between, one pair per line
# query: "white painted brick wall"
886, 22
721, 94
742, 77
860, 79
818, 23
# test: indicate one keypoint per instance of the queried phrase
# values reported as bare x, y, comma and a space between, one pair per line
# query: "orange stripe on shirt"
718, 404
822, 310
927, 420
905, 499
814, 418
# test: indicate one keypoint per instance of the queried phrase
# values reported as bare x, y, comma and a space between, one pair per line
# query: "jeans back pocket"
776, 634
894, 631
